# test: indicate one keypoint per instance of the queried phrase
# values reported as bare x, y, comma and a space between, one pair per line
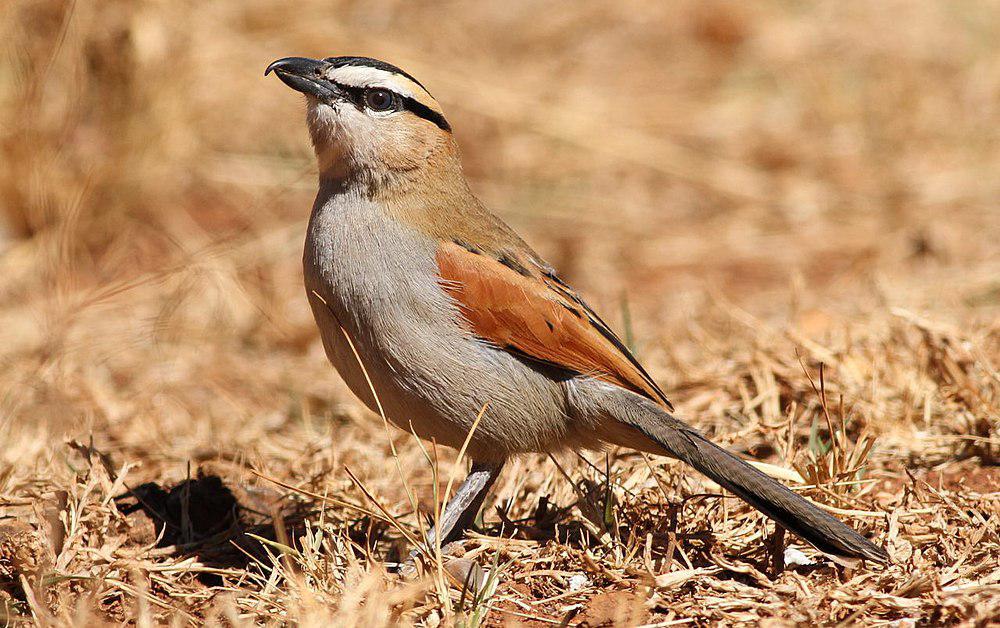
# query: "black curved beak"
306, 76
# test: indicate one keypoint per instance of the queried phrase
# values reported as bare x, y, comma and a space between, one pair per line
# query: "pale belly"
398, 342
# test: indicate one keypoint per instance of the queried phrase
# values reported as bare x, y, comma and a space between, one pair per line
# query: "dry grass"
749, 191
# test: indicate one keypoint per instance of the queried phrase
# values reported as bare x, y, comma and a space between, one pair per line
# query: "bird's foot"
417, 563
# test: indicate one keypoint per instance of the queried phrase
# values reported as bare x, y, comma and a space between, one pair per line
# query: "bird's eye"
379, 99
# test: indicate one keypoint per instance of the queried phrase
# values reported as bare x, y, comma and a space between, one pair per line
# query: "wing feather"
526, 309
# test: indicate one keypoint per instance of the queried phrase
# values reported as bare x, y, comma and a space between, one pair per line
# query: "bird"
440, 317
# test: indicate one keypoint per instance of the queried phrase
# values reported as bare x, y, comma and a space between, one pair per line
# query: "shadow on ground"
220, 524
228, 525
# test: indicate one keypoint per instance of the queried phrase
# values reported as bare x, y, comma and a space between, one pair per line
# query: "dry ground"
747, 191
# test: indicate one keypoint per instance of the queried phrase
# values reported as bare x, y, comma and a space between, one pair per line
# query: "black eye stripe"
421, 110
414, 106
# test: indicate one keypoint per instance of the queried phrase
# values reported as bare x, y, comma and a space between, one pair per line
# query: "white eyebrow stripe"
364, 76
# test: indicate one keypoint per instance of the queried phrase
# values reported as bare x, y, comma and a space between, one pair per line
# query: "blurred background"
680, 161
724, 180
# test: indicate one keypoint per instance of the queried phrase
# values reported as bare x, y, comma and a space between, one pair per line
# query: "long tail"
791, 511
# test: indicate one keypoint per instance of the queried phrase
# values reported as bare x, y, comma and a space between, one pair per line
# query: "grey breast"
379, 280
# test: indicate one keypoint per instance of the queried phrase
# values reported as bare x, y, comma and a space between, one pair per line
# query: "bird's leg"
460, 511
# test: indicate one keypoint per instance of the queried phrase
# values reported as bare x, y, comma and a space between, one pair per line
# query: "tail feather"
791, 511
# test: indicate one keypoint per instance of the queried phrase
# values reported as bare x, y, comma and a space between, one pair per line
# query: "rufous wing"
522, 308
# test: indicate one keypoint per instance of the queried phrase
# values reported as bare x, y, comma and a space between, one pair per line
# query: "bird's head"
369, 120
